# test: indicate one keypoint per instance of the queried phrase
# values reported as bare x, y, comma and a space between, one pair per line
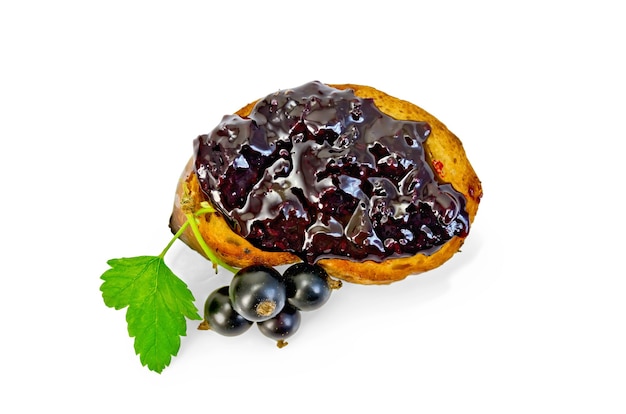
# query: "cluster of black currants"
261, 294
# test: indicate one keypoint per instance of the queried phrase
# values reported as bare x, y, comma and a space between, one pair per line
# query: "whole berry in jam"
308, 286
220, 315
281, 326
257, 293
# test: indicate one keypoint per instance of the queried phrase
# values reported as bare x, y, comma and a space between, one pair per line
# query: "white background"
100, 102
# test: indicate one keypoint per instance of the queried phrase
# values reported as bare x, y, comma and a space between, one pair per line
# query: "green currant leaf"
158, 303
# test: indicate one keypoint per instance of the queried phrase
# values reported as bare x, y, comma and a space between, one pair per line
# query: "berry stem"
206, 208
176, 236
191, 222
334, 283
204, 326
191, 219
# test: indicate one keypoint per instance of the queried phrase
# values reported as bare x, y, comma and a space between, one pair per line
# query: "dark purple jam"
321, 173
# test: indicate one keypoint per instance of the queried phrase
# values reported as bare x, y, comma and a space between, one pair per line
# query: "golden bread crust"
444, 152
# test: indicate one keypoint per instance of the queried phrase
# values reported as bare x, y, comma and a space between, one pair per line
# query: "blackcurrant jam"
322, 173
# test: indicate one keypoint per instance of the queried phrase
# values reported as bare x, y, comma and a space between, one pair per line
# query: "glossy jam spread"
322, 173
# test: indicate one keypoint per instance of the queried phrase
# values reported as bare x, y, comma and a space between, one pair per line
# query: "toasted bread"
443, 151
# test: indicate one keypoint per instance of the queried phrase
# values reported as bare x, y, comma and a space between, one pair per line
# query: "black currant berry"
257, 293
307, 285
283, 325
220, 315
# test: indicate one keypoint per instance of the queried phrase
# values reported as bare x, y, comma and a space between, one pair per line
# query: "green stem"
205, 210
191, 219
176, 236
